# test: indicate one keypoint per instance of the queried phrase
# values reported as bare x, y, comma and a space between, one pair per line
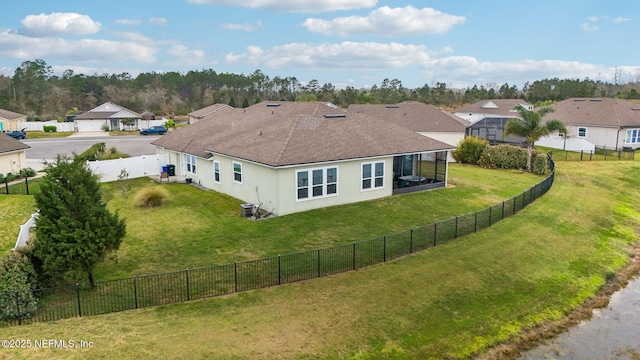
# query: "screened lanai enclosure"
416, 172
492, 130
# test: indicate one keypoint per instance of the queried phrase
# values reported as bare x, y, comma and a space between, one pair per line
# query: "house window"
237, 172
372, 175
316, 183
632, 137
191, 164
216, 171
582, 132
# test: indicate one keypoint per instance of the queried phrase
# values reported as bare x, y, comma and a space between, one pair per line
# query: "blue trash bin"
165, 169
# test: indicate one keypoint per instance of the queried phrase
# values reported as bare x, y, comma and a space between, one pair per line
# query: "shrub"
151, 197
504, 157
27, 172
469, 150
17, 279
539, 163
50, 128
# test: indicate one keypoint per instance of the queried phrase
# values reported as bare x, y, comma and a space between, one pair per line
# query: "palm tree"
531, 128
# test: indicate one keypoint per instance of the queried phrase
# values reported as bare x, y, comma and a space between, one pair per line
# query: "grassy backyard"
454, 300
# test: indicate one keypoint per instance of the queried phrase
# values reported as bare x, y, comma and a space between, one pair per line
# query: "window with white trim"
237, 172
582, 132
191, 164
372, 175
316, 183
632, 136
216, 171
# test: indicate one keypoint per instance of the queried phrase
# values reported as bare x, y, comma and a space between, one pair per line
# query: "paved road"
47, 149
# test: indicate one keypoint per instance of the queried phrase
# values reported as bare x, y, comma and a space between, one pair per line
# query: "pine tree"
74, 230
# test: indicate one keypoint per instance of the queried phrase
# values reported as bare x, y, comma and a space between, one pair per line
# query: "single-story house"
295, 156
107, 115
12, 155
488, 118
194, 116
424, 119
603, 122
10, 120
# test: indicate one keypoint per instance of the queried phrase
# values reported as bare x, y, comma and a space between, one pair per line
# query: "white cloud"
129, 21
387, 21
59, 23
345, 56
133, 36
242, 27
182, 56
14, 45
304, 6
158, 21
590, 24
620, 19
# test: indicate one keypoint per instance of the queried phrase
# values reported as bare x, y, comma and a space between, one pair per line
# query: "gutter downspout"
618, 137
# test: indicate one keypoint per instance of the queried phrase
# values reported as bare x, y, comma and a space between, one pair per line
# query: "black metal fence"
16, 187
190, 284
599, 154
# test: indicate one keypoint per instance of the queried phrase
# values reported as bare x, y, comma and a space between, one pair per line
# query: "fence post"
515, 199
384, 249
78, 297
318, 263
135, 292
435, 233
235, 276
188, 290
279, 272
455, 232
6, 186
354, 256
475, 222
26, 183
502, 218
410, 241
18, 309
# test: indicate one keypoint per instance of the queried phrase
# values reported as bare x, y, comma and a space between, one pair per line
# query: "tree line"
34, 90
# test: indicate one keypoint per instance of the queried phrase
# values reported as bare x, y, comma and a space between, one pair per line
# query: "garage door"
89, 125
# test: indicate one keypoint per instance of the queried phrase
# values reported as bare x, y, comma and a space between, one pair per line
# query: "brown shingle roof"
10, 115
208, 110
505, 107
9, 144
597, 112
295, 133
413, 115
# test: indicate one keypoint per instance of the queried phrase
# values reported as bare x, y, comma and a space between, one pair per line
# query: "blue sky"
355, 43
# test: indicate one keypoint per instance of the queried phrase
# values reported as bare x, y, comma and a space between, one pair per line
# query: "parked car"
154, 130
17, 134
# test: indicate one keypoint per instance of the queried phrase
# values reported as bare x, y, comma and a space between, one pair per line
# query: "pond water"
611, 333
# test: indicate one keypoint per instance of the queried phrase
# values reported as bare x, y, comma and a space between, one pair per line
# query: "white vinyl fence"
25, 232
139, 166
39, 125
569, 144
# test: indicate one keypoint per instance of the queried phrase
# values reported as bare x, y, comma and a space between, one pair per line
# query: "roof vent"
635, 108
392, 106
333, 106
595, 100
578, 99
333, 116
273, 104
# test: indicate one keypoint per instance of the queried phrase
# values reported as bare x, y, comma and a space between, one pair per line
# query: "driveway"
47, 149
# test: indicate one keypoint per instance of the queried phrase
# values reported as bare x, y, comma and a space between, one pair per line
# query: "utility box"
246, 210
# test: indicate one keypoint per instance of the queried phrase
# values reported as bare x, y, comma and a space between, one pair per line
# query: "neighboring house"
488, 118
12, 155
421, 118
602, 122
199, 114
296, 156
10, 120
107, 115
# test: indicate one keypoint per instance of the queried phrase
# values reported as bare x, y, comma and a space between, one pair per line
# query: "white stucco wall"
599, 136
12, 162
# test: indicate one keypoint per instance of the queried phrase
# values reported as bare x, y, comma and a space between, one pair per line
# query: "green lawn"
451, 301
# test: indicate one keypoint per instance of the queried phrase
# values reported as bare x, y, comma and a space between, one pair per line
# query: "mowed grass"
452, 301
199, 228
